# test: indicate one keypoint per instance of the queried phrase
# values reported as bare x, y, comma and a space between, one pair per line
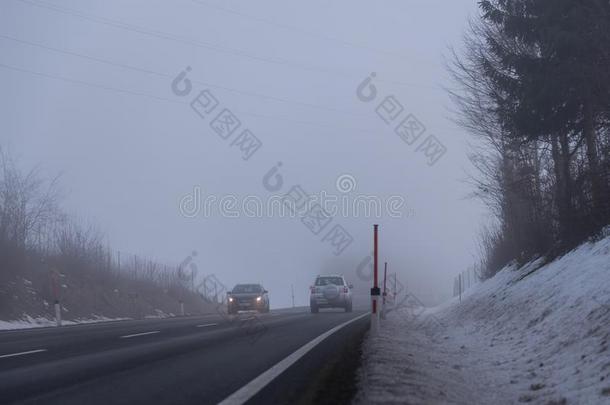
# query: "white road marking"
246, 392
205, 325
140, 334
22, 353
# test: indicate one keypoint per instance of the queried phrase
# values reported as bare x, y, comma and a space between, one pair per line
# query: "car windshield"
321, 281
247, 288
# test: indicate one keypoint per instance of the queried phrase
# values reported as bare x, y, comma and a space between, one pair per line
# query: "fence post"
55, 286
57, 313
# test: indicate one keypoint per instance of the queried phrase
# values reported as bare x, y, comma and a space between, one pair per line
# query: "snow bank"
29, 322
530, 334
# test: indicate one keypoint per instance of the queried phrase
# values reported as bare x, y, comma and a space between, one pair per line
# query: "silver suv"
330, 291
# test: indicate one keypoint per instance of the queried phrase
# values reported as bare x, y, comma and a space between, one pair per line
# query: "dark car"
248, 297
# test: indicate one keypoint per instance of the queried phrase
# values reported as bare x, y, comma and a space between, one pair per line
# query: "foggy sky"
129, 149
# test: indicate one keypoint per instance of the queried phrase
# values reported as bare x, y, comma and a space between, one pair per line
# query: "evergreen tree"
554, 76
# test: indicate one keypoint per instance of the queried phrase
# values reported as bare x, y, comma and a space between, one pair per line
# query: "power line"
293, 28
166, 75
158, 98
200, 44
175, 38
89, 84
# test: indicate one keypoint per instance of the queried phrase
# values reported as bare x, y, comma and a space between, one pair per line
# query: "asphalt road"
200, 360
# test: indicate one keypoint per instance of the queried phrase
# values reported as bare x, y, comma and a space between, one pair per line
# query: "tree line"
37, 238
533, 88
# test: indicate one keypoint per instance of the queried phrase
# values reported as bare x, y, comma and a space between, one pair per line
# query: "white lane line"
205, 325
249, 390
22, 353
140, 334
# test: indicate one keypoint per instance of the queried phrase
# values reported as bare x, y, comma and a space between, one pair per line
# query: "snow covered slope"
528, 335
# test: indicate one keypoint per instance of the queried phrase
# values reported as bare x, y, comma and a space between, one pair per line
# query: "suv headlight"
258, 299
230, 299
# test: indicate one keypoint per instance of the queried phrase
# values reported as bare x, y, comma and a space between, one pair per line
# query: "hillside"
88, 294
538, 333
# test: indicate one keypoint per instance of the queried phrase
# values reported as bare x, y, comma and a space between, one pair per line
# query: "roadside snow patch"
28, 322
533, 334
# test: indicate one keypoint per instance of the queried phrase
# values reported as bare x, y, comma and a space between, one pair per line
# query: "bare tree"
28, 204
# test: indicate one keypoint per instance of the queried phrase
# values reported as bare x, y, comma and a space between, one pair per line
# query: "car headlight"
230, 299
259, 299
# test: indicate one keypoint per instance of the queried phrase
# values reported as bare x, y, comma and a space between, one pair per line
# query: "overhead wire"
169, 76
313, 34
204, 45
165, 99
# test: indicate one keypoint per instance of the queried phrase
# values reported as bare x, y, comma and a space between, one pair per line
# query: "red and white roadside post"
375, 292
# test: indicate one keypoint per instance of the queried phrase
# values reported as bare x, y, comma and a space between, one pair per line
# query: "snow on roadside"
527, 335
28, 322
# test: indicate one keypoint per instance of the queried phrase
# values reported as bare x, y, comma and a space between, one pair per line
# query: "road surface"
202, 360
